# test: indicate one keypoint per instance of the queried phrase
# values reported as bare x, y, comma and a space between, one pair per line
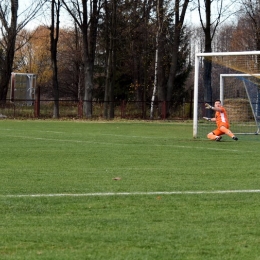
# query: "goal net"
235, 80
22, 88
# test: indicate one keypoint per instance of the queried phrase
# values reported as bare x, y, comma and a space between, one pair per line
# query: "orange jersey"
221, 118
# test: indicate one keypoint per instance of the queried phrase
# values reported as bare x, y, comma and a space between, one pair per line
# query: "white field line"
109, 143
40, 131
104, 194
53, 132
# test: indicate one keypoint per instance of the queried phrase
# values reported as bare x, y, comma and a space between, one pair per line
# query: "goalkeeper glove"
207, 118
208, 106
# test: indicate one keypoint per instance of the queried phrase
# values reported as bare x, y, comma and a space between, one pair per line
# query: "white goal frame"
196, 81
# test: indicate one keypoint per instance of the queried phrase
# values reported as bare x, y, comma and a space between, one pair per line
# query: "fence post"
37, 102
123, 109
144, 109
80, 109
164, 110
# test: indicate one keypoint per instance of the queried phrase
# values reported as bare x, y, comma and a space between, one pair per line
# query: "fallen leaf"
117, 178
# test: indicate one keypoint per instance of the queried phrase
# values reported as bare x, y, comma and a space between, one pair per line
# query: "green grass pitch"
126, 190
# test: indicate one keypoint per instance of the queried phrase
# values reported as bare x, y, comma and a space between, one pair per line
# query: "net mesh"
248, 64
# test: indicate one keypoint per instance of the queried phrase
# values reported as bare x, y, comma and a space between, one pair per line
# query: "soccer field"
126, 190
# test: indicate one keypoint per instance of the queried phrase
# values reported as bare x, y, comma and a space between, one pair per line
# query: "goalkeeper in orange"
221, 120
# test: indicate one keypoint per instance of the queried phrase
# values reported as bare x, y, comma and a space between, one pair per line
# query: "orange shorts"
218, 131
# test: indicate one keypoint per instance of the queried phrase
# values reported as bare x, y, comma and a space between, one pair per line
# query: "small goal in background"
22, 88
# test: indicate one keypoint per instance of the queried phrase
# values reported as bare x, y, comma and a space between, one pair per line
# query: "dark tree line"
122, 50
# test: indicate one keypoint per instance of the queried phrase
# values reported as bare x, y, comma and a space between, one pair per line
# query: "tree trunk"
146, 13
179, 19
88, 82
173, 68
8, 57
207, 62
155, 76
54, 35
160, 67
108, 90
108, 58
111, 113
110, 62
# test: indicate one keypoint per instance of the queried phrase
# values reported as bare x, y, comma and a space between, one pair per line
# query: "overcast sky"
42, 18
192, 17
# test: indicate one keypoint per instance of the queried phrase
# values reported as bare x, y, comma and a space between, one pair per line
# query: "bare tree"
111, 59
158, 57
209, 34
86, 16
10, 27
209, 26
252, 13
180, 11
9, 32
54, 37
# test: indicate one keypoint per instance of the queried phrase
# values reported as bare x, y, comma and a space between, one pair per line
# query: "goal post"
236, 82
